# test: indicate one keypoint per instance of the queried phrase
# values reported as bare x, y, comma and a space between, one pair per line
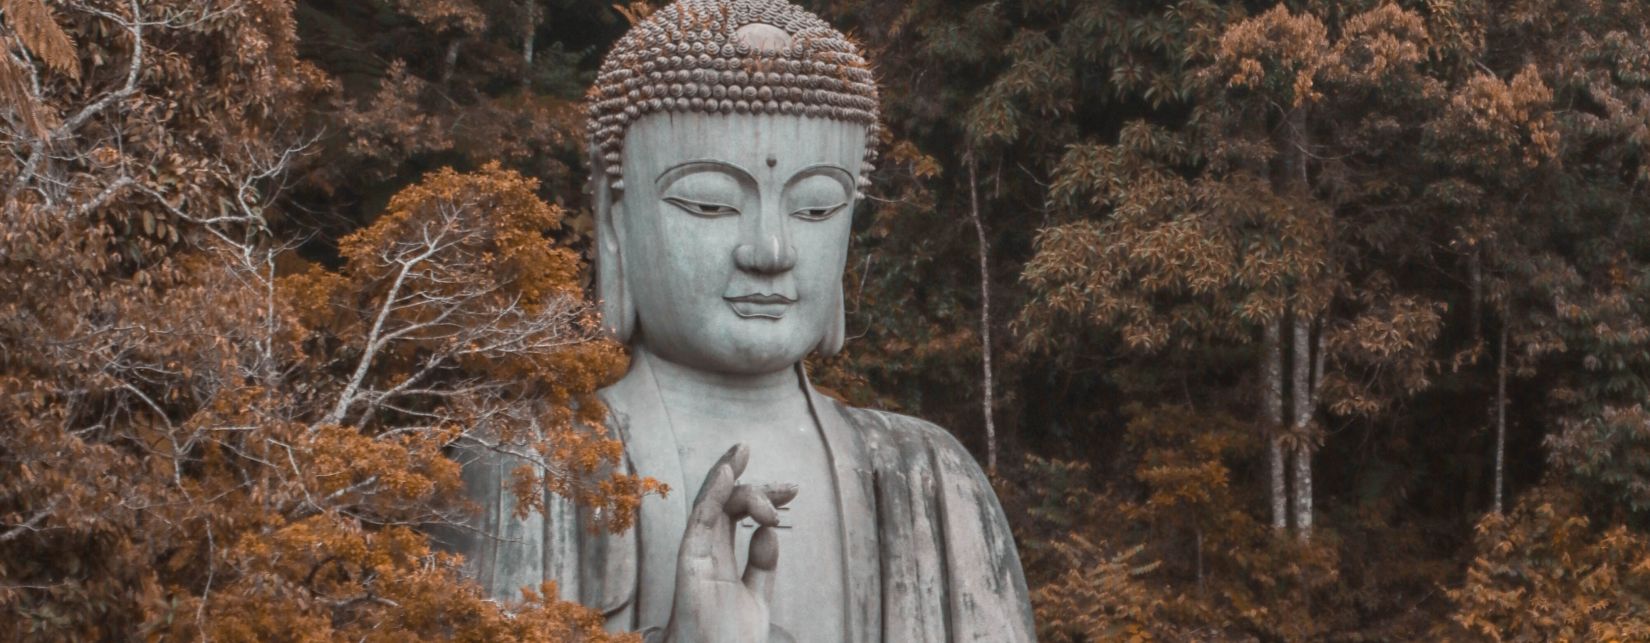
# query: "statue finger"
715, 490
760, 565
707, 510
780, 494
737, 457
749, 500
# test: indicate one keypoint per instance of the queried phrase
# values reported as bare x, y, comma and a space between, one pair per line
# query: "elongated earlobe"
618, 311
612, 286
836, 333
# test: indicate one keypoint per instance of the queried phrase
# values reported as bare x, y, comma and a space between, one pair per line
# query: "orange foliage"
200, 447
1489, 120
462, 313
1544, 572
1278, 53
1097, 598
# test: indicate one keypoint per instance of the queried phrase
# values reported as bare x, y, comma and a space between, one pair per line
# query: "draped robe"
927, 549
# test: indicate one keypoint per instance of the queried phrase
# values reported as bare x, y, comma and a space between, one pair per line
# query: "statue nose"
768, 255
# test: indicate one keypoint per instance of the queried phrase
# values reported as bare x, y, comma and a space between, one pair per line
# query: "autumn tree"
202, 443
425, 84
220, 487
1309, 223
1544, 571
454, 310
1304, 319
1266, 199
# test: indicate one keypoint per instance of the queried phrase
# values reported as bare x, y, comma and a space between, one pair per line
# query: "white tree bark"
449, 61
987, 401
1304, 401
1271, 376
529, 29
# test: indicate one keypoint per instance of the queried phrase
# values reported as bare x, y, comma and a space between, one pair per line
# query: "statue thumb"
763, 560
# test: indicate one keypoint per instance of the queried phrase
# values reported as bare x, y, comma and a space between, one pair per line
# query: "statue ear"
612, 288
837, 332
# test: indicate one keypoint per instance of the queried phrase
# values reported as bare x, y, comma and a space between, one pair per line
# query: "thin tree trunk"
1296, 177
1304, 402
529, 29
1475, 270
1271, 376
1501, 416
1271, 372
1200, 584
987, 402
450, 61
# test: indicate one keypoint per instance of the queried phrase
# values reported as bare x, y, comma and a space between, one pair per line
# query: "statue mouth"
760, 305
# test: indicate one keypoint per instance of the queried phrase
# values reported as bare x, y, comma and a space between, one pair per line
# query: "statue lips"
760, 305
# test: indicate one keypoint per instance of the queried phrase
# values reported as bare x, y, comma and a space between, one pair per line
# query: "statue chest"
809, 591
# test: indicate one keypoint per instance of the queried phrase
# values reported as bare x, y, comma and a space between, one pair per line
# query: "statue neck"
737, 398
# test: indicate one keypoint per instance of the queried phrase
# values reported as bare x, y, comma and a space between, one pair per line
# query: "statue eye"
818, 213
818, 193
702, 209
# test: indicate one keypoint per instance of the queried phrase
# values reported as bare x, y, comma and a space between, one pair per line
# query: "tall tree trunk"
529, 29
1501, 415
1304, 403
987, 402
1295, 184
1271, 382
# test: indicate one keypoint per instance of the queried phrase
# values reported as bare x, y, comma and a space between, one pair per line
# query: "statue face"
732, 233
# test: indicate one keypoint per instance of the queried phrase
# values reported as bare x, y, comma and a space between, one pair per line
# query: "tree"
454, 310
215, 490
1358, 271
425, 84
176, 463
1545, 572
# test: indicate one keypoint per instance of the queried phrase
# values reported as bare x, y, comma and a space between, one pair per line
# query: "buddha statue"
730, 142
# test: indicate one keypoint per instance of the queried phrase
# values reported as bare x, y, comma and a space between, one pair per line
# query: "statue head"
729, 140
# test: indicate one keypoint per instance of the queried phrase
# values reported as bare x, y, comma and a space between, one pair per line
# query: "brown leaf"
635, 12
14, 94
39, 31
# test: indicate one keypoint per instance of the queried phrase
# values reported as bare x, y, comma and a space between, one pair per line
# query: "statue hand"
713, 602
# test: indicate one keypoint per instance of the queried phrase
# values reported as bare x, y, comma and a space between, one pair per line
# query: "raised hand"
713, 602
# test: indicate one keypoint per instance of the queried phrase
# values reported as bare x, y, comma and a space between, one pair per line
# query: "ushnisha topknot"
730, 57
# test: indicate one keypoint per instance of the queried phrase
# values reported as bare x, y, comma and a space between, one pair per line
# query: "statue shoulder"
945, 516
902, 436
889, 421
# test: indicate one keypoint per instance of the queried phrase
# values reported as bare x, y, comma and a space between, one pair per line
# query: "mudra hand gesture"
713, 603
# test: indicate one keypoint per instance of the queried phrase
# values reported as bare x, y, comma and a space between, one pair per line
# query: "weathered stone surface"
721, 243
930, 554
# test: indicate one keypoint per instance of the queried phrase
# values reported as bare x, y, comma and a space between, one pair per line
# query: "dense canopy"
1295, 320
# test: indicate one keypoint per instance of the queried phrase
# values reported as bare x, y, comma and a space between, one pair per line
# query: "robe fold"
927, 549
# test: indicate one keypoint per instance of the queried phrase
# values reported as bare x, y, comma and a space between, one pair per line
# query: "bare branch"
30, 525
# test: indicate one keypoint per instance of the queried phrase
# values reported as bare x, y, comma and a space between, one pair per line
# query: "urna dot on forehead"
730, 57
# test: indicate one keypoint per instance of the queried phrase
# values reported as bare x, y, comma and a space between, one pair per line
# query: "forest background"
1300, 321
